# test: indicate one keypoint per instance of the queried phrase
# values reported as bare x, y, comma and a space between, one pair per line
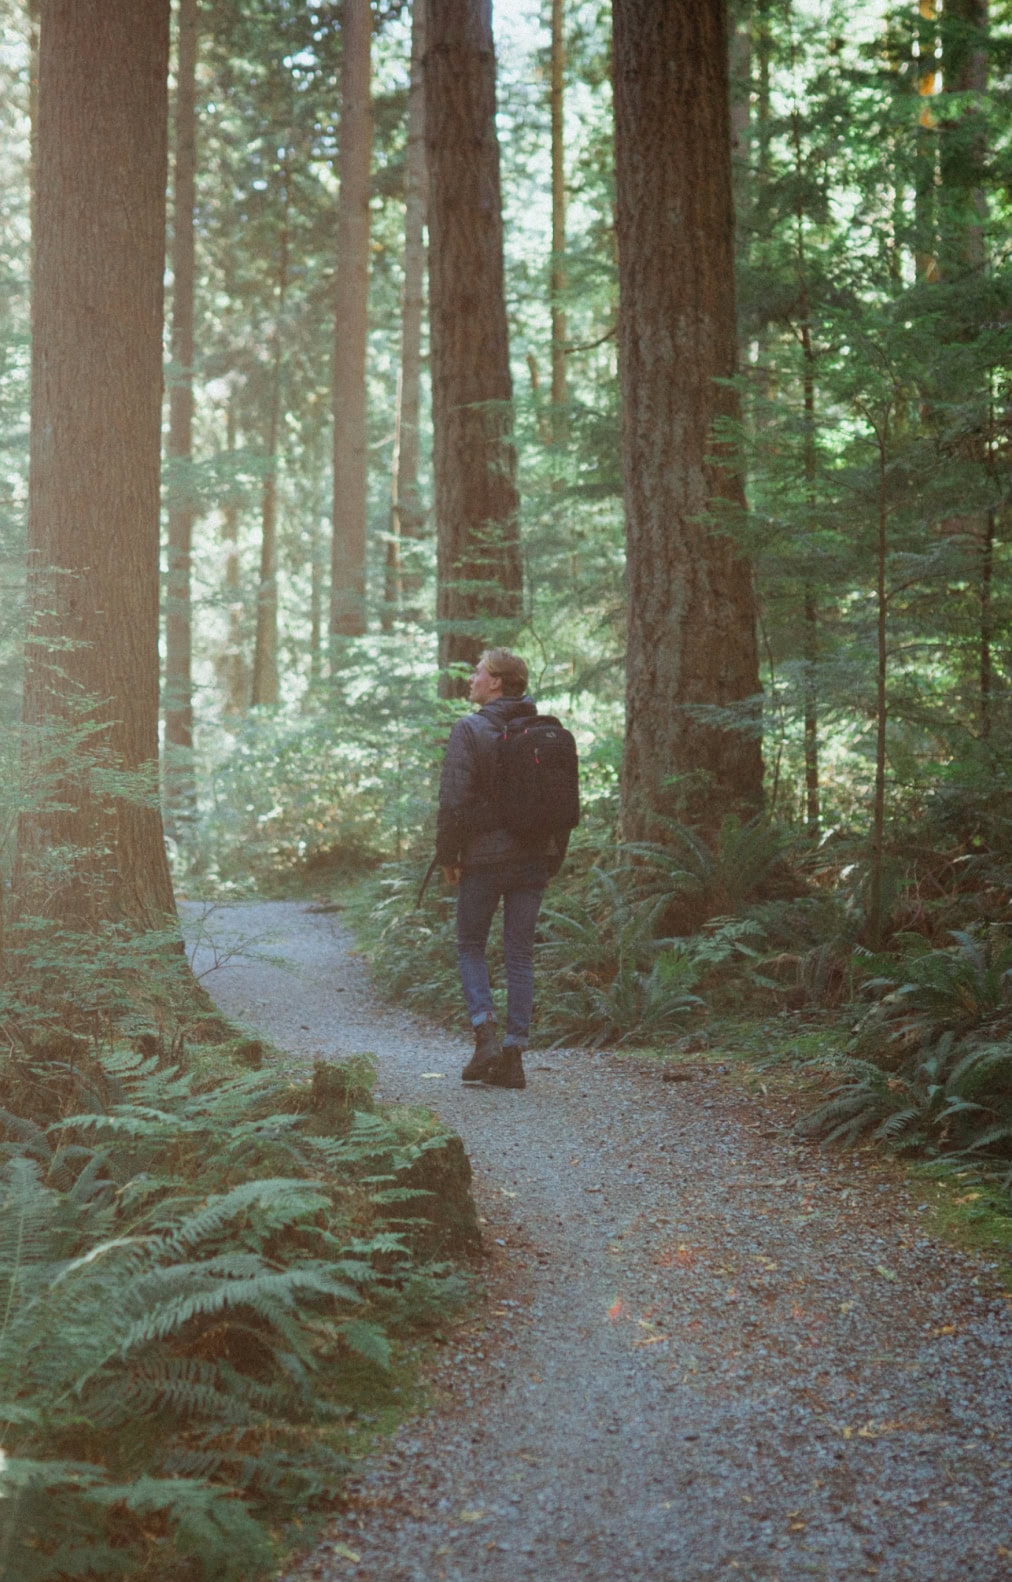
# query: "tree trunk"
875, 899
692, 644
266, 684
926, 160
407, 512
90, 846
478, 558
557, 276
232, 665
963, 147
180, 787
347, 585
810, 610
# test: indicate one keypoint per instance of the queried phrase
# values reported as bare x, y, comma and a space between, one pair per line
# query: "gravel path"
709, 1351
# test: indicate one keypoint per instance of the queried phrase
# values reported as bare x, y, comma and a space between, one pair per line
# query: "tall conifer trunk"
180, 788
479, 569
407, 511
557, 278
692, 644
90, 847
926, 160
348, 558
963, 253
231, 662
266, 682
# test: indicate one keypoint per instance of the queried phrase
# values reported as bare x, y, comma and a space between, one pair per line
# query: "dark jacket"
466, 834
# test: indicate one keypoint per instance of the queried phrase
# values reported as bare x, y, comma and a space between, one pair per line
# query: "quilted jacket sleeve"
459, 787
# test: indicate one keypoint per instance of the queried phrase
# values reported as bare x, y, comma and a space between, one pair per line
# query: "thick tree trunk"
348, 559
90, 847
692, 645
407, 510
478, 559
180, 787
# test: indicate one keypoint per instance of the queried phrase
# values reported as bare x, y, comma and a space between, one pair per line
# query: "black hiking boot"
508, 1070
487, 1054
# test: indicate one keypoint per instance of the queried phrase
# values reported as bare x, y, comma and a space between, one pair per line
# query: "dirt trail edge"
710, 1351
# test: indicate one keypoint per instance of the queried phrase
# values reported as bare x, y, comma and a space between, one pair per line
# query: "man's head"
498, 674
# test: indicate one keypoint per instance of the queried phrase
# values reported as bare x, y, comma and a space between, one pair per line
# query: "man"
489, 864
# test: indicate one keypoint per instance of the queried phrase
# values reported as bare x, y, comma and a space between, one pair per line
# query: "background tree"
557, 273
691, 645
407, 511
476, 501
180, 783
351, 315
90, 848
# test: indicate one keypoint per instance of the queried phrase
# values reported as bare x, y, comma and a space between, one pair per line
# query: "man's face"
484, 687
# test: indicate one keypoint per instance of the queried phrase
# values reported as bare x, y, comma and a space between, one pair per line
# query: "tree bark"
478, 556
90, 846
691, 644
266, 682
963, 257
231, 662
407, 510
926, 158
180, 786
963, 147
348, 557
557, 274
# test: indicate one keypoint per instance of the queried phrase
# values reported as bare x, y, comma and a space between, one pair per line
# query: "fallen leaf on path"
346, 1553
616, 1309
887, 1274
433, 1076
471, 1516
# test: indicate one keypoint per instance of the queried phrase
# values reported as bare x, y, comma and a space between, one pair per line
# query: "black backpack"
537, 787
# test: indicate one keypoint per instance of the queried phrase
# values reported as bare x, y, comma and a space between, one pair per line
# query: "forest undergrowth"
215, 1273
759, 945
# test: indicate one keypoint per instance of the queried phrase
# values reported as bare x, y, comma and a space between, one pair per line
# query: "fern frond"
368, 1340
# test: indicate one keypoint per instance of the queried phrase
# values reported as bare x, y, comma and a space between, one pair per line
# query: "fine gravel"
708, 1349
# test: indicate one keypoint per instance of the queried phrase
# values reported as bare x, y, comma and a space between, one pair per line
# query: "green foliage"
933, 1063
604, 975
194, 1288
607, 969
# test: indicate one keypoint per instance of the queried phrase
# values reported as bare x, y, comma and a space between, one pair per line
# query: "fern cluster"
192, 1287
932, 1062
611, 967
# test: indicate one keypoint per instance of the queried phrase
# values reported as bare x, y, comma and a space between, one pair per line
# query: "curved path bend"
708, 1351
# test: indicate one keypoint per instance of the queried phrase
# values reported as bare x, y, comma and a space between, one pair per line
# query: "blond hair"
510, 669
